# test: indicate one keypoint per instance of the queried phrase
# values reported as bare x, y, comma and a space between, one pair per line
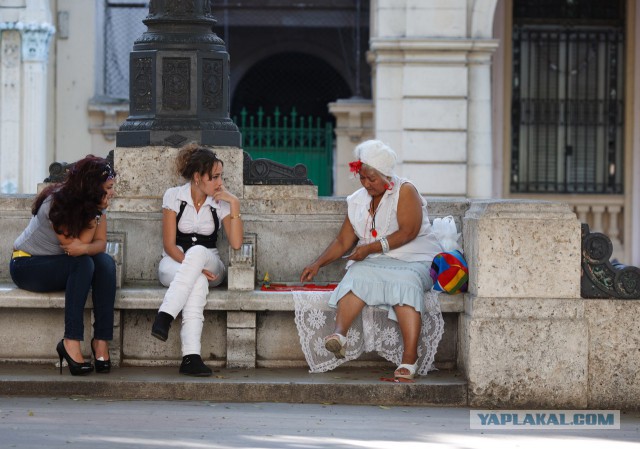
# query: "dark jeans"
74, 275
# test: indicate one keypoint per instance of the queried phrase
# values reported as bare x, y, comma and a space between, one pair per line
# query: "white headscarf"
378, 155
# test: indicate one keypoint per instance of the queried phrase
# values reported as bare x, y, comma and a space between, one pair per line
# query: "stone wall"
525, 337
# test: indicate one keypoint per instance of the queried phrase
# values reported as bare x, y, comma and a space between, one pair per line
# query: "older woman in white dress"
390, 246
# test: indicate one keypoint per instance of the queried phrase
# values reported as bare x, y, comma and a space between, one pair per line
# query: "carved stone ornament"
58, 170
268, 172
600, 278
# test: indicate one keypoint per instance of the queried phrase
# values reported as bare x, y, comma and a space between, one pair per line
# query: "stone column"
24, 45
433, 106
10, 88
354, 124
524, 336
479, 144
432, 91
35, 49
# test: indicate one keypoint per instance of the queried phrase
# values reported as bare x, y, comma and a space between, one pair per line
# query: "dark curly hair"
76, 201
193, 158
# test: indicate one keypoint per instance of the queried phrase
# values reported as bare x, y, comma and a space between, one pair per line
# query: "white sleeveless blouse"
421, 249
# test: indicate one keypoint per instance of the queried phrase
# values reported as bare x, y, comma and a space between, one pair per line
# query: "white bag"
447, 234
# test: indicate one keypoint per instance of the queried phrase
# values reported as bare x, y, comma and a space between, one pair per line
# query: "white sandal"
336, 343
411, 368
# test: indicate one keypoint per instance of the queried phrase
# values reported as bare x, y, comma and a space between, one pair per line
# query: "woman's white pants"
188, 289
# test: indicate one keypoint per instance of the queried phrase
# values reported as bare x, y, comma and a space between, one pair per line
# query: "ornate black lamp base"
177, 138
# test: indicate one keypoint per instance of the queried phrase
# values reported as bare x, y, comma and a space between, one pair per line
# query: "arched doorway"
288, 80
287, 95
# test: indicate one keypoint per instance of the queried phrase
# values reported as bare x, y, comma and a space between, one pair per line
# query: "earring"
389, 186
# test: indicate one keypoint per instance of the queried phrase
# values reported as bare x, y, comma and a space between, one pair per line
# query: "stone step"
359, 386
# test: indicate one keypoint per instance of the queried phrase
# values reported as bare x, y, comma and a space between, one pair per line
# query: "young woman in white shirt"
192, 215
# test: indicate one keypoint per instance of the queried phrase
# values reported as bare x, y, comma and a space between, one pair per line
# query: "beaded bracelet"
385, 245
235, 216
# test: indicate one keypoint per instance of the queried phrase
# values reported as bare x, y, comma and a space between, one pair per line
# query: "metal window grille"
123, 25
567, 103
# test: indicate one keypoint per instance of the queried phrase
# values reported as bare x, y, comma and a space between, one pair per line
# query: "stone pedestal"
524, 337
147, 172
241, 340
614, 358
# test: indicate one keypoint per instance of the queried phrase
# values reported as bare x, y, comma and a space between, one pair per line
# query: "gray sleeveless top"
39, 238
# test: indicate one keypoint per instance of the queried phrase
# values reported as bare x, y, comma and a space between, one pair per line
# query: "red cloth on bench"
297, 287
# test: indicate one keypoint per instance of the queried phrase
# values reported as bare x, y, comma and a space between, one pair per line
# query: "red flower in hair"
355, 167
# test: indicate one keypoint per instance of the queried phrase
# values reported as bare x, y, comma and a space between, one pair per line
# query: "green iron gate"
291, 140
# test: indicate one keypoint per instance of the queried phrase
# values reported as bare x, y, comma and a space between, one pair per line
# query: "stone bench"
243, 329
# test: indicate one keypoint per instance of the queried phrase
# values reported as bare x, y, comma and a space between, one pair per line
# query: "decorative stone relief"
35, 43
176, 83
601, 278
142, 85
10, 48
268, 172
35, 39
212, 83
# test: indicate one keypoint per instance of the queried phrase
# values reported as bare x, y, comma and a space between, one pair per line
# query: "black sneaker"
192, 365
161, 325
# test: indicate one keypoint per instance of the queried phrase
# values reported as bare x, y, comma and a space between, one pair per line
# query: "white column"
479, 143
10, 88
354, 124
35, 48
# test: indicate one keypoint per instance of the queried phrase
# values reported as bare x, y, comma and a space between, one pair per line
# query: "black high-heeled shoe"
102, 366
76, 369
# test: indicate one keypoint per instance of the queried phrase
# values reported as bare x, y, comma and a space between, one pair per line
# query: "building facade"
480, 98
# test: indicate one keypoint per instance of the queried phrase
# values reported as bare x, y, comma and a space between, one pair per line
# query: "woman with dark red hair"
63, 248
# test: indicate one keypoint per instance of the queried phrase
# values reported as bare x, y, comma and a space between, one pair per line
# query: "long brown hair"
76, 201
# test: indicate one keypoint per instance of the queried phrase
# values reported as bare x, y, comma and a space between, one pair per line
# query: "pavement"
155, 407
359, 386
54, 422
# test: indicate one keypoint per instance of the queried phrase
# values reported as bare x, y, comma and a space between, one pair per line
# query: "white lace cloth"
371, 331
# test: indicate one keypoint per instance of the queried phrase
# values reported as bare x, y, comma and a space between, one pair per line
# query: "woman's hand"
222, 194
346, 239
91, 241
309, 272
75, 248
209, 275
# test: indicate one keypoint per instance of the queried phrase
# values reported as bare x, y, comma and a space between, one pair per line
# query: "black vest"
187, 241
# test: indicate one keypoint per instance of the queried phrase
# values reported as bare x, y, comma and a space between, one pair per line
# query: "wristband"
385, 245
